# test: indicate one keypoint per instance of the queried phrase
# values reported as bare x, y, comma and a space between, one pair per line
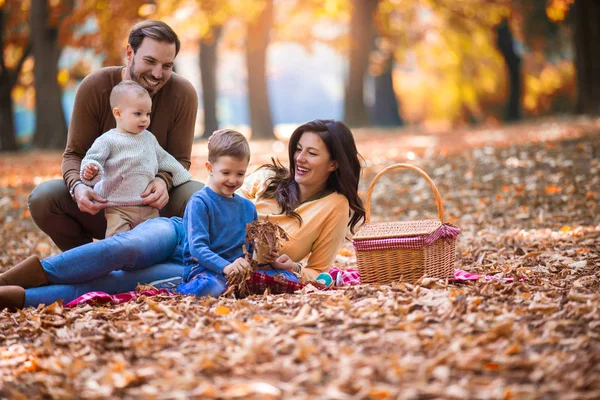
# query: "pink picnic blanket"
103, 298
341, 277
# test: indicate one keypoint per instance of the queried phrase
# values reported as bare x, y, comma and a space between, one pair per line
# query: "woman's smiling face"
313, 163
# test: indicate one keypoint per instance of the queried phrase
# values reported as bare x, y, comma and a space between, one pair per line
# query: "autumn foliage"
526, 200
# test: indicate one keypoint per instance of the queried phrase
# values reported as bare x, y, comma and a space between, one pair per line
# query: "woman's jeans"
149, 253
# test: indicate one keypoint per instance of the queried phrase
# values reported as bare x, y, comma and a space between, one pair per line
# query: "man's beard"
140, 80
131, 70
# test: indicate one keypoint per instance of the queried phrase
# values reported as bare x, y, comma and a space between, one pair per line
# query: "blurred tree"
208, 75
212, 17
448, 63
543, 33
397, 30
586, 37
257, 42
507, 46
362, 35
104, 25
16, 47
50, 123
385, 106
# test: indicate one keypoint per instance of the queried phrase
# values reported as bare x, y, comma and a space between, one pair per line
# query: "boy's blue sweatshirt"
215, 228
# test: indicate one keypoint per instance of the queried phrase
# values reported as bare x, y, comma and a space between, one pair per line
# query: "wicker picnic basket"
405, 250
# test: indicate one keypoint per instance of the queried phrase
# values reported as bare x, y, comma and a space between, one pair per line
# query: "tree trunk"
361, 43
385, 110
50, 124
208, 74
506, 45
587, 60
8, 140
257, 43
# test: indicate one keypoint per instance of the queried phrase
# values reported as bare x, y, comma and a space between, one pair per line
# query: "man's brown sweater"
172, 122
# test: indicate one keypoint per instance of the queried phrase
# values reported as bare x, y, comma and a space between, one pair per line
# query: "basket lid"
382, 230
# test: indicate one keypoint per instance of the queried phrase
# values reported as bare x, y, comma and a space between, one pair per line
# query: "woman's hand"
284, 262
237, 266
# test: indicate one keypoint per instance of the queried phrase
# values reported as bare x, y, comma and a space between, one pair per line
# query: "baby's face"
134, 114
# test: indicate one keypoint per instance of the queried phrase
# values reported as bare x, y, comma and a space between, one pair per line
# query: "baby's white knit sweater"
126, 164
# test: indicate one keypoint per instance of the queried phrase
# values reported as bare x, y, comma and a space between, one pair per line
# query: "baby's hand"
90, 171
238, 266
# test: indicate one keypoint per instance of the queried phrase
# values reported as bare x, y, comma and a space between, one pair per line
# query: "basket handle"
436, 193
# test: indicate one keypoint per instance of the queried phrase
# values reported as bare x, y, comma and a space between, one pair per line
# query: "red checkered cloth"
258, 283
446, 231
104, 298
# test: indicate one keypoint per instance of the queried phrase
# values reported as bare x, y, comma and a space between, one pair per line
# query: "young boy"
215, 218
123, 161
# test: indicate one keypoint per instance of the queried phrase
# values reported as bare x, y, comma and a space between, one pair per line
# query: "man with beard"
70, 212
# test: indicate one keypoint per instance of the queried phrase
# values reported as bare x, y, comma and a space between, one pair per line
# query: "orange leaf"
30, 365
492, 366
238, 326
553, 189
345, 252
379, 394
222, 310
515, 348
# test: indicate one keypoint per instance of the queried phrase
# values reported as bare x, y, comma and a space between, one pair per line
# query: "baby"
123, 161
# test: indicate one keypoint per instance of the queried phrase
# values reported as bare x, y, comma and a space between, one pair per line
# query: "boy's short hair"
227, 142
126, 87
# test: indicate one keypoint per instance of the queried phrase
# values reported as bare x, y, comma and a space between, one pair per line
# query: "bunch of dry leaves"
527, 210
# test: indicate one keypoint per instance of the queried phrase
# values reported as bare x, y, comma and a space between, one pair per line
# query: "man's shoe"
27, 274
12, 298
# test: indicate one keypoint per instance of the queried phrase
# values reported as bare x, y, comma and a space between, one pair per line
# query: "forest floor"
526, 199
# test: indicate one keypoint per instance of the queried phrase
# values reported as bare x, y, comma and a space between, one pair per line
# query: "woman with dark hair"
315, 201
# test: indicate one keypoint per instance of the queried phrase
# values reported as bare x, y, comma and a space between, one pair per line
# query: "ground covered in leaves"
526, 199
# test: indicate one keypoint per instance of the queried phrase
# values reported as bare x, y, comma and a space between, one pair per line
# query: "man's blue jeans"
149, 253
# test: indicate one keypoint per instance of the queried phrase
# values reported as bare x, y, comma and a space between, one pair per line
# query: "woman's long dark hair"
344, 179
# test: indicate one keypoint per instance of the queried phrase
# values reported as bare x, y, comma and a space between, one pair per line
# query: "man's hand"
87, 200
284, 262
156, 194
237, 266
90, 171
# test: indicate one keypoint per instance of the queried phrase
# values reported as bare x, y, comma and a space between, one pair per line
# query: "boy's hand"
238, 266
272, 256
90, 171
